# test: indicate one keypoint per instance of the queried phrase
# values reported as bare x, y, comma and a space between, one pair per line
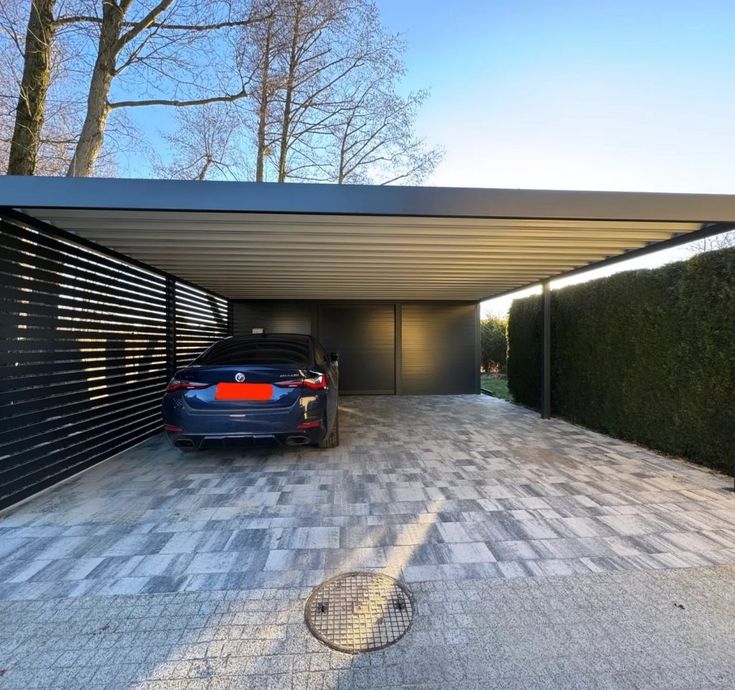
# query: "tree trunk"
290, 80
34, 85
93, 131
263, 109
343, 150
205, 168
341, 170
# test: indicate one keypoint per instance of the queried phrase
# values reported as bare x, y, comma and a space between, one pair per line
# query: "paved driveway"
539, 553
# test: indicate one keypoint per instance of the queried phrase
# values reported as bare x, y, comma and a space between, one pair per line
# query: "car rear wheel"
332, 439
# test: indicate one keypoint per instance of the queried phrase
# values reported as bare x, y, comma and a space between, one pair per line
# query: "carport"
109, 285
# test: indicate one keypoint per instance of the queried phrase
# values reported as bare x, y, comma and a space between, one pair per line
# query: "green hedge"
523, 364
493, 343
648, 356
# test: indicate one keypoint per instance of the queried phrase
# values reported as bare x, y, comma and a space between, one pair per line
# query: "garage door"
438, 354
364, 336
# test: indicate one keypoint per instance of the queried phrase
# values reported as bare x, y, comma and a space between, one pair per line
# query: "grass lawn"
497, 387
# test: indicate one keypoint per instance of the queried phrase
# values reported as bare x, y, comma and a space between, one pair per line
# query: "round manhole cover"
359, 612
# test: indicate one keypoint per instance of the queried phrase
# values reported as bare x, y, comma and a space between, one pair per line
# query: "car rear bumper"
302, 423
297, 437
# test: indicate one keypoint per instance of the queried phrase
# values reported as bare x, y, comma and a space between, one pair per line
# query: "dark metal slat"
18, 262
43, 454
68, 466
81, 377
73, 366
66, 249
43, 414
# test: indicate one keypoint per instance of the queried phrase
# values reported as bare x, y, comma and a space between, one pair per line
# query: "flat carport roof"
261, 240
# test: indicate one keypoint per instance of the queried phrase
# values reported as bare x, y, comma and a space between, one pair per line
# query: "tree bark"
263, 106
98, 109
288, 96
31, 106
205, 168
341, 168
343, 150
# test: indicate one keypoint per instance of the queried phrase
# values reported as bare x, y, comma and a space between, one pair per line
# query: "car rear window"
296, 351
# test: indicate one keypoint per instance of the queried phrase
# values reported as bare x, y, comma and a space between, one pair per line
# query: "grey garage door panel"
438, 348
274, 317
364, 336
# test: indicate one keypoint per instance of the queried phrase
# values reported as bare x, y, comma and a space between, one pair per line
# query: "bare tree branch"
79, 19
143, 24
204, 145
724, 240
179, 103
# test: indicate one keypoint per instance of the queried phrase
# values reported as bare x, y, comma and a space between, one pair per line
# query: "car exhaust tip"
297, 441
184, 443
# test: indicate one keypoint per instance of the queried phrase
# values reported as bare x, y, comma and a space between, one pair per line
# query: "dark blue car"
255, 390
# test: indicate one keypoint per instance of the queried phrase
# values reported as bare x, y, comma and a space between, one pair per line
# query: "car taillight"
181, 385
316, 382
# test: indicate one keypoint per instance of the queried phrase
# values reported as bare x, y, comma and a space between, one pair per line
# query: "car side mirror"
334, 356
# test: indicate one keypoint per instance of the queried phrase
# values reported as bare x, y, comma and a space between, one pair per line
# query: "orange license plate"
243, 391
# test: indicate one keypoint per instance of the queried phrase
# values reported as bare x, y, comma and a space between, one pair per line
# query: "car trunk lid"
225, 387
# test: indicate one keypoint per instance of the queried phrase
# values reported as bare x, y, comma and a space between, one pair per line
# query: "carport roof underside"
269, 241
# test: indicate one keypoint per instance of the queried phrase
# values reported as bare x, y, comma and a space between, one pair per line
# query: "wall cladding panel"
274, 316
364, 337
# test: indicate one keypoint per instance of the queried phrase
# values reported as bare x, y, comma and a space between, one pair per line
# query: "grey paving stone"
468, 552
539, 554
212, 562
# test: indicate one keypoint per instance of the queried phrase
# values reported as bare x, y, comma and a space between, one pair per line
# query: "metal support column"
170, 326
478, 348
398, 347
546, 357
230, 318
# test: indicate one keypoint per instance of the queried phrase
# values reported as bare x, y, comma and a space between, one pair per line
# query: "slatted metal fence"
85, 352
201, 319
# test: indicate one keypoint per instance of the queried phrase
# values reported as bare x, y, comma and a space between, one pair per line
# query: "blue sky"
575, 95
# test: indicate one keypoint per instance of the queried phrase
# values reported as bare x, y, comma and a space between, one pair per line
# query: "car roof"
268, 336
